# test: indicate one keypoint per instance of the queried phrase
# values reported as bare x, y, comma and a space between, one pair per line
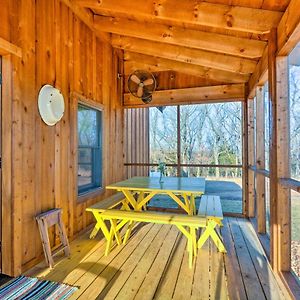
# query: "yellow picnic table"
182, 190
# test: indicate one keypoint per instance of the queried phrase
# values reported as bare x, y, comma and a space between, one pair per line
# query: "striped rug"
26, 288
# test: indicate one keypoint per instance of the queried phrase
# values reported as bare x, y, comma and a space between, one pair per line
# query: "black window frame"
96, 164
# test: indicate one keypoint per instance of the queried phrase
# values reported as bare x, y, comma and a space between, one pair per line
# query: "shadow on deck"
154, 265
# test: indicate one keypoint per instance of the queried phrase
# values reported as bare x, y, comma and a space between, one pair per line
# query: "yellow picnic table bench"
209, 216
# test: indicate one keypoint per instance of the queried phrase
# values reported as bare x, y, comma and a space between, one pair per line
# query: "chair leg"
46, 244
63, 236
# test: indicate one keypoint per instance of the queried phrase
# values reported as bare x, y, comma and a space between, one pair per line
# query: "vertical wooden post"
283, 166
273, 148
6, 149
178, 143
251, 159
260, 160
245, 157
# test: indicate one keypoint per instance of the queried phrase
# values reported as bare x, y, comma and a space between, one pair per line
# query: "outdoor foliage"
209, 134
294, 80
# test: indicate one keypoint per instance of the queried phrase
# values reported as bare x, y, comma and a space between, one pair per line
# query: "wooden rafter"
87, 18
288, 31
167, 64
220, 93
130, 66
181, 36
288, 34
192, 12
9, 48
187, 55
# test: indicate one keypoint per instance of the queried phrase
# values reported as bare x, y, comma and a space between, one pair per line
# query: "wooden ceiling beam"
167, 64
131, 66
187, 55
87, 18
181, 36
192, 12
207, 94
260, 75
9, 48
288, 31
288, 35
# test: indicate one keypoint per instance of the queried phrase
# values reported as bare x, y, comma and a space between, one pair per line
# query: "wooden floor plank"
168, 280
184, 282
93, 273
112, 273
200, 288
252, 285
80, 248
218, 286
154, 265
235, 283
266, 276
151, 281
112, 289
135, 280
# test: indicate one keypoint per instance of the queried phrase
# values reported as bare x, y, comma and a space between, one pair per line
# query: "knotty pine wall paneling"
58, 49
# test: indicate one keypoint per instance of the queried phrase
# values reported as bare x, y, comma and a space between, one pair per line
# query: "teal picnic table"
182, 190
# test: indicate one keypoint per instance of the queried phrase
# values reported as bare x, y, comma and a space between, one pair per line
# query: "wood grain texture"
136, 137
56, 50
135, 61
233, 92
187, 55
283, 167
192, 12
181, 36
153, 265
260, 161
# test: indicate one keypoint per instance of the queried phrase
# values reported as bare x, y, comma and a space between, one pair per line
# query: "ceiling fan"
142, 84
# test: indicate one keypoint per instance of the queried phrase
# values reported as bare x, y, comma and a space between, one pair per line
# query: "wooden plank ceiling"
221, 41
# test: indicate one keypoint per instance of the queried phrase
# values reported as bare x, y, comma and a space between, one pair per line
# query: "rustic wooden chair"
46, 220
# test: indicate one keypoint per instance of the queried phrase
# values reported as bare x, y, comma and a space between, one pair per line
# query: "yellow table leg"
192, 243
128, 232
129, 196
109, 242
146, 200
113, 224
178, 201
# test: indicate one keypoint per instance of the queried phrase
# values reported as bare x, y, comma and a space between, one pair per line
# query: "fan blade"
135, 79
140, 91
148, 81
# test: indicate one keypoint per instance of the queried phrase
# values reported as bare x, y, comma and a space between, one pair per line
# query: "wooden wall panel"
58, 49
136, 138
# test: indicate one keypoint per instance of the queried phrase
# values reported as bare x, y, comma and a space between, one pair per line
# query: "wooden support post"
283, 166
260, 161
178, 143
251, 160
245, 156
273, 148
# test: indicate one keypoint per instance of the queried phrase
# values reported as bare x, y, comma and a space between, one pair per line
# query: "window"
208, 144
294, 111
89, 149
267, 126
163, 137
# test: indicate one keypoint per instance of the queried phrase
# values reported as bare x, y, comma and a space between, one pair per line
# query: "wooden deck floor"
154, 265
